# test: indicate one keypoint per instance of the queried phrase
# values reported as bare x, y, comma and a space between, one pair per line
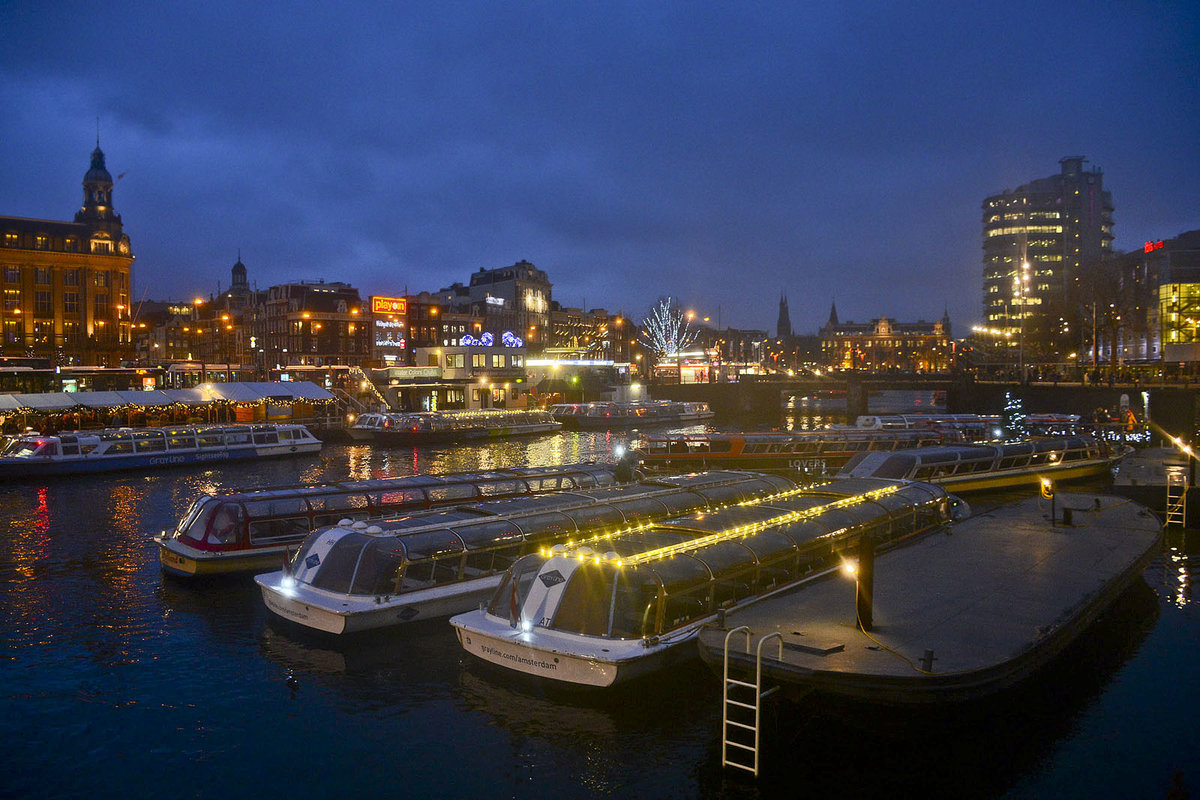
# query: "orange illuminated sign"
389, 305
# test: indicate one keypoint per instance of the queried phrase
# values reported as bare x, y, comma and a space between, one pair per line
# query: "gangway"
730, 746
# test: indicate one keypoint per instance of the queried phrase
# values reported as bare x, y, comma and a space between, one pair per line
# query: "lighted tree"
665, 331
1016, 424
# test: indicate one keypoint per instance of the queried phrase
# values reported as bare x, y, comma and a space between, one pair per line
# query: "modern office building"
67, 284
1040, 241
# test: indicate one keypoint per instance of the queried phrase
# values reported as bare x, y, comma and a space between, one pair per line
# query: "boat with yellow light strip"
621, 606
357, 576
980, 467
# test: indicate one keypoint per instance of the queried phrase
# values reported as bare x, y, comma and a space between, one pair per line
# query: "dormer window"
102, 246
12, 240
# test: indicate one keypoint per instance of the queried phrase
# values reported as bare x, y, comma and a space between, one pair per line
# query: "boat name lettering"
285, 610
531, 662
807, 464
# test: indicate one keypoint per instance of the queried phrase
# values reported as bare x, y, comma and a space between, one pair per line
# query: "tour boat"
977, 467
242, 531
611, 414
968, 427
818, 452
451, 426
36, 455
618, 607
356, 576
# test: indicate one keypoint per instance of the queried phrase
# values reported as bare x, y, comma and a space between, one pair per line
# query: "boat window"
642, 509
119, 447
266, 437
152, 445
276, 507
431, 544
503, 487
279, 530
227, 522
635, 604
552, 525
211, 439
451, 492
335, 502
70, 449
584, 605
337, 567
488, 534
179, 440
511, 592
235, 436
400, 497
378, 567
195, 524
597, 516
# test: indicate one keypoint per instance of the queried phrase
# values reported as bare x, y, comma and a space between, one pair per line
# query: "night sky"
721, 153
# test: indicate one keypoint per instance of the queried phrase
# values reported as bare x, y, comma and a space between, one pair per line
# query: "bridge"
1173, 407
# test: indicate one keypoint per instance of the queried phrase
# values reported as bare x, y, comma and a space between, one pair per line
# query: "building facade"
67, 284
312, 323
885, 344
1041, 241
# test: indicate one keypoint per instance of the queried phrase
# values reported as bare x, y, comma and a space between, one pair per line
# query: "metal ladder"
1177, 489
730, 726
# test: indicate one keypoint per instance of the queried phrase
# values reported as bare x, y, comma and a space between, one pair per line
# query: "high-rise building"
1040, 241
67, 284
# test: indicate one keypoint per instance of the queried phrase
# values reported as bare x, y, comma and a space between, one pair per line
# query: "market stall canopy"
257, 392
49, 401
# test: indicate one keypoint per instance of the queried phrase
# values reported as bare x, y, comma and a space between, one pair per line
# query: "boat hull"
345, 614
187, 562
496, 643
1026, 477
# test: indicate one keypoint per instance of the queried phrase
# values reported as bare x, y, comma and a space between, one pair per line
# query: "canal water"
116, 681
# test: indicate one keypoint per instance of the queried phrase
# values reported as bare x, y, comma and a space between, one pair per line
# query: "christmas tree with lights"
1016, 423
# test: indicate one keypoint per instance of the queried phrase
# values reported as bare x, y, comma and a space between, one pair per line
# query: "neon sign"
1151, 246
389, 305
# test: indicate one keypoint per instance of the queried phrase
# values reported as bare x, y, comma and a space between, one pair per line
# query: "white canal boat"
36, 455
428, 427
622, 606
357, 576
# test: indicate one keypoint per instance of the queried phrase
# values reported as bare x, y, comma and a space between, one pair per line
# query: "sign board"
388, 305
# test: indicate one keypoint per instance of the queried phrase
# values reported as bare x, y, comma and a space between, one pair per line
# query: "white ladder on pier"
731, 728
1177, 489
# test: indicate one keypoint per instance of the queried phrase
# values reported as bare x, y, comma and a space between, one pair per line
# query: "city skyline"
836, 154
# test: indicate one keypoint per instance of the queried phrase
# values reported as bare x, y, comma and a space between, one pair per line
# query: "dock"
1142, 476
958, 614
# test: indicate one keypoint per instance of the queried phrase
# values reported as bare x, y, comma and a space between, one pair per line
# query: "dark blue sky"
717, 152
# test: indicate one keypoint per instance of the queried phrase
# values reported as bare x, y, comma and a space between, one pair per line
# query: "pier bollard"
1067, 515
927, 661
864, 600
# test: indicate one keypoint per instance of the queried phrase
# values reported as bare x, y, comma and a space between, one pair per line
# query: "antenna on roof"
97, 130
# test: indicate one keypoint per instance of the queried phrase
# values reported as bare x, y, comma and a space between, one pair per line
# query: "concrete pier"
956, 614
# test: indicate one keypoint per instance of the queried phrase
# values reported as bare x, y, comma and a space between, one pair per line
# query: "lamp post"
1020, 289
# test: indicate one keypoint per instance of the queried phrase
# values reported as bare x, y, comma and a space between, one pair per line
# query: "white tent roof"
204, 394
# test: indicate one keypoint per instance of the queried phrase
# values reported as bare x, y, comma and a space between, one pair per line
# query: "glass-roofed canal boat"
979, 467
818, 453
248, 531
38, 455
426, 427
359, 576
617, 606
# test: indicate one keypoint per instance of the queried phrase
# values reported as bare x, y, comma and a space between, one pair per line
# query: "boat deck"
999, 595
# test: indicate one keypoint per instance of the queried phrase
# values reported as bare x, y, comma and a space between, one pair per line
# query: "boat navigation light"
526, 626
619, 451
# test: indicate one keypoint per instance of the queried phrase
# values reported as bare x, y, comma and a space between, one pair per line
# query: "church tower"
783, 328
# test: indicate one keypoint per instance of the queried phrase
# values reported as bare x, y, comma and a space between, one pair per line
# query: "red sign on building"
1152, 246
